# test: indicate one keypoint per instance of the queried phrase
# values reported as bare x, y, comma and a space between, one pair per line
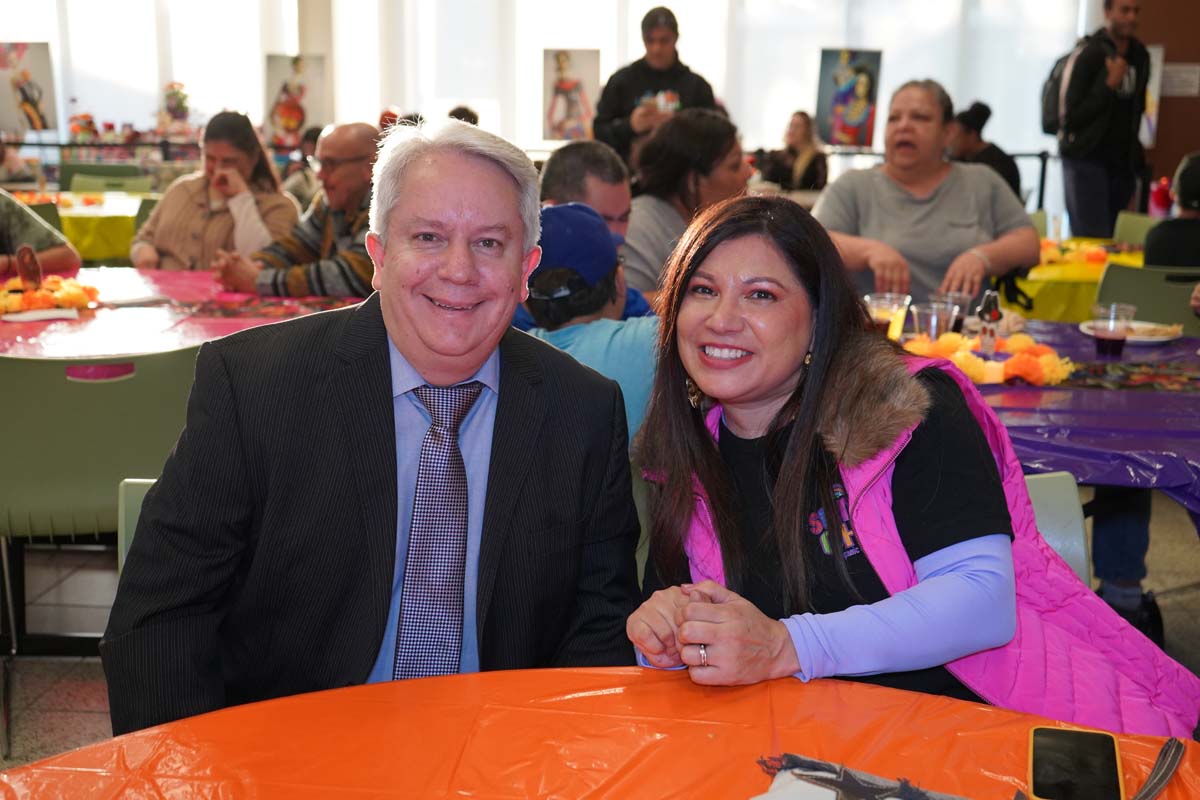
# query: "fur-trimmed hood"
870, 400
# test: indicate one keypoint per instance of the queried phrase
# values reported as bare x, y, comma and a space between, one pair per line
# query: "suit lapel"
361, 389
519, 414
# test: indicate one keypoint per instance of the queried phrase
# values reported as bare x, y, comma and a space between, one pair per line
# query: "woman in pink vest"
828, 506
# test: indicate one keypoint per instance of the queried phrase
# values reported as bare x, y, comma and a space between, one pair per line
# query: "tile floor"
61, 703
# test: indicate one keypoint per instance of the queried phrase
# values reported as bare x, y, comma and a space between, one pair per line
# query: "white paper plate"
39, 314
1139, 333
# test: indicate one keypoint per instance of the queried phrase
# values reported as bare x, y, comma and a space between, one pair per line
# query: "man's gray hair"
403, 144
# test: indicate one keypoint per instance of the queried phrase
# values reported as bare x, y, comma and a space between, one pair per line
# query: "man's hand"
144, 256
652, 627
966, 274
1117, 67
1195, 301
741, 644
236, 273
646, 117
890, 268
229, 182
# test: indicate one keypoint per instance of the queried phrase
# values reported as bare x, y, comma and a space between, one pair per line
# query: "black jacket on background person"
625, 90
1004, 164
1174, 243
1101, 124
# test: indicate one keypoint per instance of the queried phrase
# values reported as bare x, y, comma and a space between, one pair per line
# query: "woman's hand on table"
741, 644
144, 256
229, 182
651, 628
890, 268
965, 274
235, 272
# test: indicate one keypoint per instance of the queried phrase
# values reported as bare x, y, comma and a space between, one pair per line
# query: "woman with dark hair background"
800, 165
691, 161
235, 204
827, 505
968, 145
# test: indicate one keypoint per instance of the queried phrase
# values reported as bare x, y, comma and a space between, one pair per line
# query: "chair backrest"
48, 212
1131, 227
130, 494
1161, 295
143, 213
1059, 515
76, 428
1038, 218
67, 170
101, 183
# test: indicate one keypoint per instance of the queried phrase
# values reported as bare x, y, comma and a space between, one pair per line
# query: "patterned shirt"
325, 255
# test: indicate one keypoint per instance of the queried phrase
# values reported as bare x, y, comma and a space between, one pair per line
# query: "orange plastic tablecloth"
594, 733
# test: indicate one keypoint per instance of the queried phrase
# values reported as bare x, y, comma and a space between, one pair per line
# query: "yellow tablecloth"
1065, 292
104, 231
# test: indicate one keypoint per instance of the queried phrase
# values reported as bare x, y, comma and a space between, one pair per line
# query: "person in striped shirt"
326, 253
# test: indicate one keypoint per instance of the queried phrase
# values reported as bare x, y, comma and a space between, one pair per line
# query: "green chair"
85, 424
48, 212
1038, 218
75, 428
99, 183
130, 494
143, 213
67, 170
1132, 227
1059, 516
1161, 295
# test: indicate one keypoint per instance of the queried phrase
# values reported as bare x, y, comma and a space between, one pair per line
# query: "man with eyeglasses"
326, 253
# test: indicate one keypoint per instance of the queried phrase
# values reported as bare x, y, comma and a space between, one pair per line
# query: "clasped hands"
742, 645
236, 272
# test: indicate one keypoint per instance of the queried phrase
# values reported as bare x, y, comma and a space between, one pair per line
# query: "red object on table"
118, 332
596, 733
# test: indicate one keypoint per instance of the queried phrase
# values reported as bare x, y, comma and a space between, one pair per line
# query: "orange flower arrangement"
1036, 364
55, 292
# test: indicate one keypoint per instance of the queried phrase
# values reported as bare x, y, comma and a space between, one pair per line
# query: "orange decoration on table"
1025, 366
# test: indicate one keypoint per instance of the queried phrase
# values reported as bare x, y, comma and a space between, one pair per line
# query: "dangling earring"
808, 358
694, 395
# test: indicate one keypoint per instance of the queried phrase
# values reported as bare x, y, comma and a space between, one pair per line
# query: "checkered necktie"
429, 641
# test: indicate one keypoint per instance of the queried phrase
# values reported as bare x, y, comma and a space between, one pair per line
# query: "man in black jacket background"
641, 96
1105, 98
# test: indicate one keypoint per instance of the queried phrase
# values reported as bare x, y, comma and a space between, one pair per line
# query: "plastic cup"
960, 299
934, 319
887, 312
1110, 327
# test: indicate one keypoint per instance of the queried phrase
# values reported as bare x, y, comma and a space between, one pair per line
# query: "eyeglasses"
331, 164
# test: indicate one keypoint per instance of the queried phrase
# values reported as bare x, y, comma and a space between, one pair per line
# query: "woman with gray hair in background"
920, 223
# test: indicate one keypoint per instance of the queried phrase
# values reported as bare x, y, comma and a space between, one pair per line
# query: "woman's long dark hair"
235, 129
674, 443
688, 145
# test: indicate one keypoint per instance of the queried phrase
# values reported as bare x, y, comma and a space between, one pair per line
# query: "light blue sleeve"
964, 602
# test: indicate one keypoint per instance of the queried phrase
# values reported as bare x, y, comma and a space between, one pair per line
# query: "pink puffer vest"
1073, 658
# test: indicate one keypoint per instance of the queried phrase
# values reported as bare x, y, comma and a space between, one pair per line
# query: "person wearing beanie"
641, 96
968, 145
1176, 242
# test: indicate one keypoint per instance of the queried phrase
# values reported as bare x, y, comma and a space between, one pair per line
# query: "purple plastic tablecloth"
1123, 437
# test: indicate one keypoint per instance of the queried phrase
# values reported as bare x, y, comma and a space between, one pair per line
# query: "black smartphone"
1066, 764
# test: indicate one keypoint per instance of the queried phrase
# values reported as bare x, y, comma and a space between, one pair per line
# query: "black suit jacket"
263, 560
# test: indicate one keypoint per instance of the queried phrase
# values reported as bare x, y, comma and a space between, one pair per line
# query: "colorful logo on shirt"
818, 526
666, 100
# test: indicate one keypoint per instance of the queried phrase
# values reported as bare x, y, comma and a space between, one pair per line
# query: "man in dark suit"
319, 523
